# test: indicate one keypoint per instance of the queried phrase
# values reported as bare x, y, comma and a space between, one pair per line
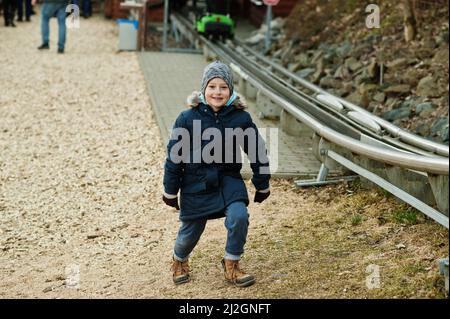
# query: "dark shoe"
235, 275
27, 19
180, 272
60, 50
43, 47
20, 20
13, 25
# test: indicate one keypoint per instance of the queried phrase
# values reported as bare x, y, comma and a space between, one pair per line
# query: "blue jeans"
49, 10
236, 222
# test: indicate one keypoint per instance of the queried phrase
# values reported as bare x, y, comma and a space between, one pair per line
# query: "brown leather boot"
236, 275
180, 272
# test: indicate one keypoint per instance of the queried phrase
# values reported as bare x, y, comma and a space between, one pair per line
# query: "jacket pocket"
194, 188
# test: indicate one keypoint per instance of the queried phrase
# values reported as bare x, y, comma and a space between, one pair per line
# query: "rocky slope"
329, 44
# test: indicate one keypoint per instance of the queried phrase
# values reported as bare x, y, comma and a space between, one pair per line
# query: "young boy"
211, 185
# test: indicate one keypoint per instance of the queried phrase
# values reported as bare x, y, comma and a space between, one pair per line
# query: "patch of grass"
356, 219
384, 192
355, 185
407, 216
414, 269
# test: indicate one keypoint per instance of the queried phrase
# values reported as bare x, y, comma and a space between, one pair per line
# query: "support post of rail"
411, 182
443, 270
439, 186
371, 165
242, 86
292, 126
251, 91
320, 150
323, 173
266, 107
166, 24
269, 32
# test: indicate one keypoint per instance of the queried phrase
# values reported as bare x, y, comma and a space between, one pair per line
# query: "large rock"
441, 56
303, 59
426, 114
357, 98
330, 82
423, 130
439, 125
411, 77
379, 97
353, 64
428, 87
344, 49
367, 88
342, 72
361, 49
329, 52
347, 88
397, 114
305, 72
398, 89
391, 103
397, 64
424, 53
420, 108
442, 38
444, 135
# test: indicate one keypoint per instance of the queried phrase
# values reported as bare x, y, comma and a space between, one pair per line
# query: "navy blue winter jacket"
206, 189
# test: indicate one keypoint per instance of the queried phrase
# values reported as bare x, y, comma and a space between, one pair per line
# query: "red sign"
271, 2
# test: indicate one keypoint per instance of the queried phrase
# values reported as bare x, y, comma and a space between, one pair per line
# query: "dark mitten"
173, 202
260, 197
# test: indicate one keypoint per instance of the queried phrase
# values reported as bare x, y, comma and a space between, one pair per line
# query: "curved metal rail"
435, 165
346, 133
406, 136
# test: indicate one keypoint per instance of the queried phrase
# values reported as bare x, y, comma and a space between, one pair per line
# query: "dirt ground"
80, 185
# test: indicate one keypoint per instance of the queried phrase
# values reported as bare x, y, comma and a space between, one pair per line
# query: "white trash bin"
128, 30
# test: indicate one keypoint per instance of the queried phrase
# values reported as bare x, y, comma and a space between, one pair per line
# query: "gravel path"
81, 170
80, 165
80, 184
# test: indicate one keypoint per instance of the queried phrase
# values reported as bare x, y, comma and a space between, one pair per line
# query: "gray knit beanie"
217, 69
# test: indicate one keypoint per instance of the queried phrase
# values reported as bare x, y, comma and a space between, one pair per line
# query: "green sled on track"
216, 25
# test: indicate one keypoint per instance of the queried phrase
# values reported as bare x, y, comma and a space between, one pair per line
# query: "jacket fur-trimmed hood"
193, 100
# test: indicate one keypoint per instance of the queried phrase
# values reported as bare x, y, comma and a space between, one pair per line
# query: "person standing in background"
87, 8
52, 8
9, 8
20, 10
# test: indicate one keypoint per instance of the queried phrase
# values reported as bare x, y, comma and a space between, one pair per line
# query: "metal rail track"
324, 106
389, 128
337, 131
